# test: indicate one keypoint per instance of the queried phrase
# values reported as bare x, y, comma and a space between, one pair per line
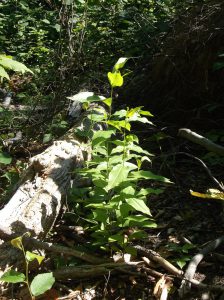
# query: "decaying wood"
36, 204
37, 201
198, 139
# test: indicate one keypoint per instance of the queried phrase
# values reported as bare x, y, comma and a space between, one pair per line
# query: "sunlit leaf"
12, 276
108, 101
3, 73
5, 158
8, 63
148, 175
120, 63
118, 174
139, 205
17, 242
115, 79
41, 283
31, 256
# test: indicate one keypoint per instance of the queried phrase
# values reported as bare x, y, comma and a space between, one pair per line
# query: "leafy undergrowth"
184, 225
143, 232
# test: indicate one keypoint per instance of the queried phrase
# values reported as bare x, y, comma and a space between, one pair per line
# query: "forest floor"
185, 224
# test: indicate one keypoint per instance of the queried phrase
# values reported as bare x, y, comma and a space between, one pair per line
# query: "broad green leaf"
148, 175
140, 223
41, 283
119, 124
120, 63
17, 243
145, 113
148, 191
47, 138
100, 215
116, 238
137, 118
108, 101
101, 136
131, 112
115, 79
13, 65
5, 158
13, 277
3, 73
132, 138
138, 149
129, 190
118, 174
139, 205
30, 256
120, 113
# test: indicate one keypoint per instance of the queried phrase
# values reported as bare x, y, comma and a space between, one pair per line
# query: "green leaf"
148, 175
145, 113
41, 283
17, 243
47, 138
101, 136
108, 101
120, 63
13, 65
119, 124
145, 192
31, 256
140, 221
13, 277
3, 73
118, 174
116, 238
5, 158
139, 205
115, 79
120, 113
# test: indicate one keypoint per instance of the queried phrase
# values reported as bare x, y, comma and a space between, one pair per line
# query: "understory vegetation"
132, 92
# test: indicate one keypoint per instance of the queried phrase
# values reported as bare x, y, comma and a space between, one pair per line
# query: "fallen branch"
142, 251
208, 171
200, 140
191, 269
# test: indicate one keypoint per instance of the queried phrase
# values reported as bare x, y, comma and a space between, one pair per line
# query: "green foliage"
116, 201
7, 63
182, 255
40, 283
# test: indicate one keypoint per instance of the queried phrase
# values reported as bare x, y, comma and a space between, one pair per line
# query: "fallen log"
38, 198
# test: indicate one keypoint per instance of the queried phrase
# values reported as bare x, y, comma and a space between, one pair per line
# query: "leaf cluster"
116, 201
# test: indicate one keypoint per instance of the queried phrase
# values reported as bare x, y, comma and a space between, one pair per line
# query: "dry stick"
191, 269
204, 166
194, 282
198, 139
158, 259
